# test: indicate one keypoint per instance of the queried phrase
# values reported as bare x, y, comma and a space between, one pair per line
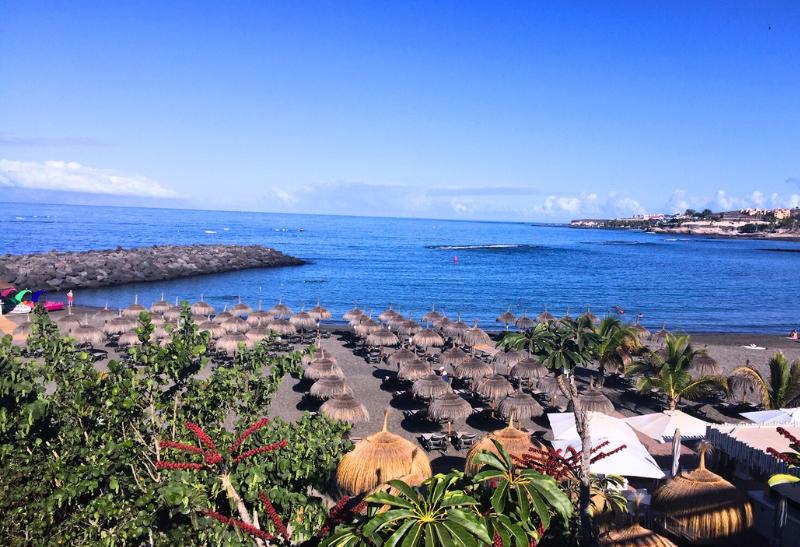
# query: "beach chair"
433, 441
464, 441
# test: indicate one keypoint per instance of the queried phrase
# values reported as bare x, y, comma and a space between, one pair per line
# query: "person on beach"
443, 374
70, 298
793, 334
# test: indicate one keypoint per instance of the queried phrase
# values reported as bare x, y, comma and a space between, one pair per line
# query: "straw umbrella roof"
525, 322
365, 325
202, 307
159, 307
387, 314
302, 320
413, 370
442, 323
319, 353
328, 386
86, 334
241, 309
594, 400
508, 358
472, 368
642, 332
520, 405
430, 386
345, 409
105, 315
704, 365
589, 315
69, 322
408, 327
494, 386
401, 356
319, 313
432, 316
134, 309
258, 318
322, 368
454, 357
507, 317
235, 325
528, 368
382, 337
457, 329
257, 334
515, 442
281, 326
427, 338
215, 329
280, 310
159, 333
352, 314
634, 535
174, 312
743, 388
545, 316
223, 316
118, 325
129, 338
450, 407
548, 384
475, 336
704, 504
379, 458
230, 343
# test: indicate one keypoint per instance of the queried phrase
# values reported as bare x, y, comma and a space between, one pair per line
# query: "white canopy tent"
661, 426
776, 416
632, 461
600, 425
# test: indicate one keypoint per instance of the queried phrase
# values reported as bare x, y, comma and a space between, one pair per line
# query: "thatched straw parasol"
430, 386
280, 310
441, 323
303, 321
230, 343
69, 322
507, 318
432, 316
134, 309
401, 356
634, 535
454, 357
345, 409
704, 365
105, 315
475, 336
494, 387
329, 386
353, 314
589, 315
515, 442
449, 407
86, 334
382, 337
224, 315
365, 325
119, 325
387, 314
703, 505
322, 368
241, 309
380, 458
525, 322
281, 327
472, 368
408, 327
215, 329
743, 388
528, 369
545, 316
594, 400
548, 384
319, 313
456, 330
161, 306
235, 325
641, 331
427, 338
520, 405
258, 318
508, 358
202, 307
257, 334
160, 333
413, 370
174, 312
129, 338
319, 353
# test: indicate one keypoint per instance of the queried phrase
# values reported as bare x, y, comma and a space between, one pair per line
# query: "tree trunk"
237, 502
673, 403
588, 537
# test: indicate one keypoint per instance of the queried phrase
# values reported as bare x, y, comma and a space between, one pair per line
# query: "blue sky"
497, 110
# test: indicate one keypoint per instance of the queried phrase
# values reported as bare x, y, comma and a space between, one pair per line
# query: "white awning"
632, 461
661, 426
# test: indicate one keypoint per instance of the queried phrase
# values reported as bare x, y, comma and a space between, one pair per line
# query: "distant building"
588, 222
781, 214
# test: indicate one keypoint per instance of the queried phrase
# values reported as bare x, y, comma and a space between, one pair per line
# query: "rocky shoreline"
106, 268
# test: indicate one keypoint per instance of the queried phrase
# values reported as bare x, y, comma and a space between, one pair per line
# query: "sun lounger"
433, 441
464, 441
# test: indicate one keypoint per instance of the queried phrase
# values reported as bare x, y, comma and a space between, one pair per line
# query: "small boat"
210, 231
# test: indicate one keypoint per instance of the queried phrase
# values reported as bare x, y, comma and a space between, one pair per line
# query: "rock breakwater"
105, 268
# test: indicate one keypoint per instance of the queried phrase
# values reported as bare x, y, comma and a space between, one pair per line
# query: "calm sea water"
693, 284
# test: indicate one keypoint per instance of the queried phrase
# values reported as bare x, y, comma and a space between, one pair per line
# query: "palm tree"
617, 342
668, 372
783, 386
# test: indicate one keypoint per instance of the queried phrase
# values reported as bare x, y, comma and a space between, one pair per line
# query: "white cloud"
75, 177
681, 200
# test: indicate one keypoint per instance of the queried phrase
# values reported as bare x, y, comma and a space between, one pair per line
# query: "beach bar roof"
748, 443
775, 416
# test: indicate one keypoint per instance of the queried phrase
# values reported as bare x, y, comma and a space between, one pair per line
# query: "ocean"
477, 269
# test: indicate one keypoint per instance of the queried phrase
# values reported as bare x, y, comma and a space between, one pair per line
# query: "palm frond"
760, 381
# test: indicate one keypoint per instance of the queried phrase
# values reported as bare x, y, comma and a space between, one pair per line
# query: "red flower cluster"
339, 514
556, 464
273, 516
788, 435
178, 465
181, 446
247, 432
781, 456
497, 541
243, 526
261, 450
201, 435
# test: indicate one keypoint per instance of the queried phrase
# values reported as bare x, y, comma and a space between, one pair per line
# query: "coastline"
715, 234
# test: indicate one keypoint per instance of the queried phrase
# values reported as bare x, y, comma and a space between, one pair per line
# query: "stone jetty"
105, 268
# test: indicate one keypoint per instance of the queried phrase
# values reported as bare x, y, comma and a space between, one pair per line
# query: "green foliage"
78, 446
671, 375
561, 345
616, 343
782, 387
